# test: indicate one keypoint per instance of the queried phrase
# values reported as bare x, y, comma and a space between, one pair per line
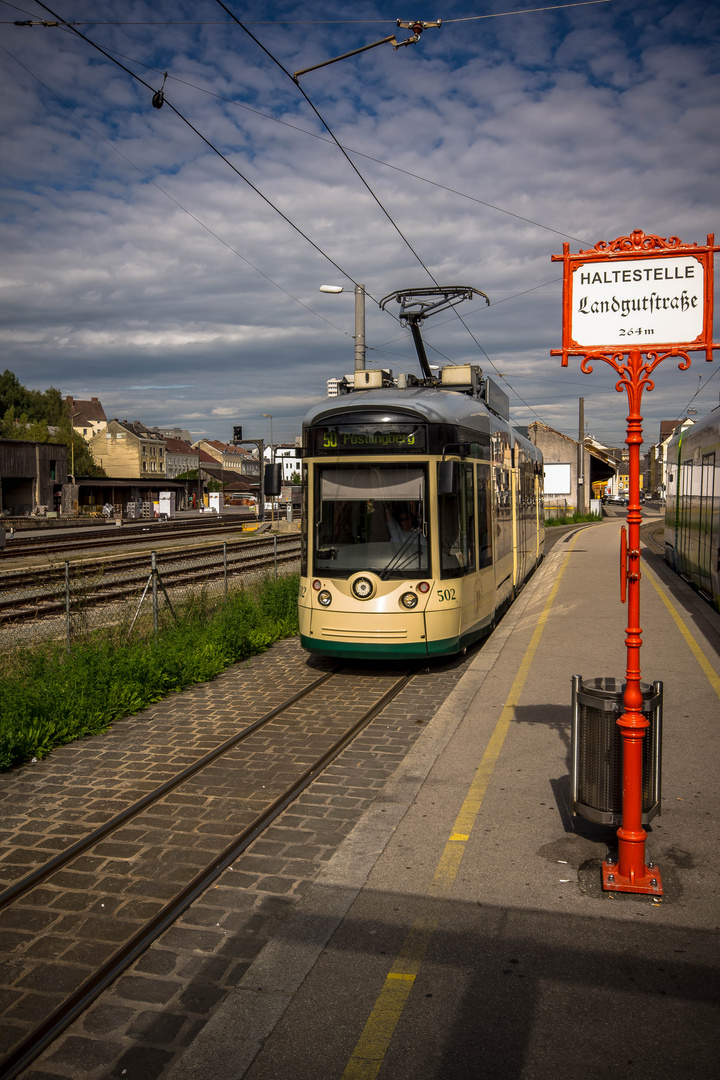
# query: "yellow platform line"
709, 670
371, 1047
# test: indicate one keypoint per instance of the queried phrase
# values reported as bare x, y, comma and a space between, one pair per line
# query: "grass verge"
571, 519
48, 698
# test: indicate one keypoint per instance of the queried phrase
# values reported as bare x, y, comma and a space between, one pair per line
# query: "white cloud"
592, 121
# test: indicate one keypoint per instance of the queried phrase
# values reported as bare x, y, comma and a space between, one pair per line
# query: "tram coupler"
614, 881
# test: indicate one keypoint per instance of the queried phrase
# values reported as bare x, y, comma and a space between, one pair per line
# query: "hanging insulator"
158, 98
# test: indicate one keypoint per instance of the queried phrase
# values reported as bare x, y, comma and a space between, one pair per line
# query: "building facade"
129, 450
180, 458
87, 417
561, 459
31, 476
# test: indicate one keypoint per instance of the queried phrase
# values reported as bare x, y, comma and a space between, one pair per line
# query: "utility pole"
581, 503
359, 327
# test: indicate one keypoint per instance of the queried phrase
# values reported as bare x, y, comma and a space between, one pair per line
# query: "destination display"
635, 302
369, 438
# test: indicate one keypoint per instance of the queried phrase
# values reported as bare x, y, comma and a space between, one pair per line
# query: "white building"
289, 457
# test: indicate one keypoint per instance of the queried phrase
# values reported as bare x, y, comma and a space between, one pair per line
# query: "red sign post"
636, 296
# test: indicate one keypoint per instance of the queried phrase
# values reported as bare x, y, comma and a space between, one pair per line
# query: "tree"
44, 405
42, 416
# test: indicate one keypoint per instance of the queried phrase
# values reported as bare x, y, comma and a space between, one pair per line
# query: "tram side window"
484, 509
503, 514
457, 526
304, 521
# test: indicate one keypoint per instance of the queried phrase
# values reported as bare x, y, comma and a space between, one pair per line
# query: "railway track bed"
29, 596
79, 925
53, 543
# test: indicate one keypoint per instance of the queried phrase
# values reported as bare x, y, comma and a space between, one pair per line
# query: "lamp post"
359, 320
268, 416
72, 443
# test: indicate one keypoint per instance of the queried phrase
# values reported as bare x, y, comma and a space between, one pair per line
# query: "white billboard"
557, 479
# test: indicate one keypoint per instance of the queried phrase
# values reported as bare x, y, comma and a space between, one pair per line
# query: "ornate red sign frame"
630, 873
629, 248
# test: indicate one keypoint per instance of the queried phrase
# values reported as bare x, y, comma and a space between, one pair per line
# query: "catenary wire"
172, 198
332, 136
350, 149
323, 22
701, 386
215, 150
209, 144
365, 183
525, 11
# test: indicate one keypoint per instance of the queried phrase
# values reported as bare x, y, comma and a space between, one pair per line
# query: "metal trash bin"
597, 749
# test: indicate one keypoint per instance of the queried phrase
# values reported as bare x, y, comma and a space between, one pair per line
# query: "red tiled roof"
86, 411
177, 446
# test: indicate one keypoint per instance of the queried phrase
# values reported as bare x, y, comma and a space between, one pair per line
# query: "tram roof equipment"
417, 304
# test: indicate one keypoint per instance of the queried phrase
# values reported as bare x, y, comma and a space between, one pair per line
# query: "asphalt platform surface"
460, 930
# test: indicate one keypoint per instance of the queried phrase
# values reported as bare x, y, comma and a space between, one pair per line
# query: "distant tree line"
42, 416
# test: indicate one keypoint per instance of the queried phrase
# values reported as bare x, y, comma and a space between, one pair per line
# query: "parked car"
618, 499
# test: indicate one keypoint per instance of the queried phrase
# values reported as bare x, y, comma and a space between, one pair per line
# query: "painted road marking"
709, 670
371, 1047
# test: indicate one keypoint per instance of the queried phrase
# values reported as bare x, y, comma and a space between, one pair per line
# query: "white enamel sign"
637, 302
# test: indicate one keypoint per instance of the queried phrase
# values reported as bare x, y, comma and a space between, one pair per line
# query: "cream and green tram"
422, 518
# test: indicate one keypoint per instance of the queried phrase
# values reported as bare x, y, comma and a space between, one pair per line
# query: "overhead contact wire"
330, 132
207, 142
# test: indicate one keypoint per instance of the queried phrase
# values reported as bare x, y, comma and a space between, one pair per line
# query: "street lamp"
359, 321
268, 416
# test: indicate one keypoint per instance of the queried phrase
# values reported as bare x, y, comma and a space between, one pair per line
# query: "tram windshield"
371, 517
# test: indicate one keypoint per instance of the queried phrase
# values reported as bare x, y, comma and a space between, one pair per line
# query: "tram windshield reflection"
371, 517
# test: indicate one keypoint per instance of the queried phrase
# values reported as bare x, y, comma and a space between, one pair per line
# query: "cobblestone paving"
76, 919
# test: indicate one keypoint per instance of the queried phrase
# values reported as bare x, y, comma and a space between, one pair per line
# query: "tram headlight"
409, 600
423, 587
362, 588
325, 598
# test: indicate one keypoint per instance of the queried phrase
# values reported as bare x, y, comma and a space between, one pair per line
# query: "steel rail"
38, 605
19, 615
118, 563
46, 1032
25, 884
16, 548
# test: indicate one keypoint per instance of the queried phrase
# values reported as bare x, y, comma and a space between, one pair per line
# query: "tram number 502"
446, 594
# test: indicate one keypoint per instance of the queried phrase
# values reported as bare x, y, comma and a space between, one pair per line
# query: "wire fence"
135, 595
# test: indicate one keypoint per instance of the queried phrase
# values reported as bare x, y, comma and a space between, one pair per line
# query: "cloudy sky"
168, 260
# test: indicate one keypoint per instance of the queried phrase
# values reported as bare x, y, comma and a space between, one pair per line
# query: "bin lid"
608, 688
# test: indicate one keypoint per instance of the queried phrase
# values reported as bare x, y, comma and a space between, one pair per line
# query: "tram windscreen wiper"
402, 557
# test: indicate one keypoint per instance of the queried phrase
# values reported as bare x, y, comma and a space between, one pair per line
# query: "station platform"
461, 929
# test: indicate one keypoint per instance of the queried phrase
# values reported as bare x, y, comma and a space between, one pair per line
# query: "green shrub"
571, 519
48, 698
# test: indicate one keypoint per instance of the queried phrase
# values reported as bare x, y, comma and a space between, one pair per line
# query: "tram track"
354, 695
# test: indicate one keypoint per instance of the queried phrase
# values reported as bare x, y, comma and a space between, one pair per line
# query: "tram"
423, 514
692, 509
